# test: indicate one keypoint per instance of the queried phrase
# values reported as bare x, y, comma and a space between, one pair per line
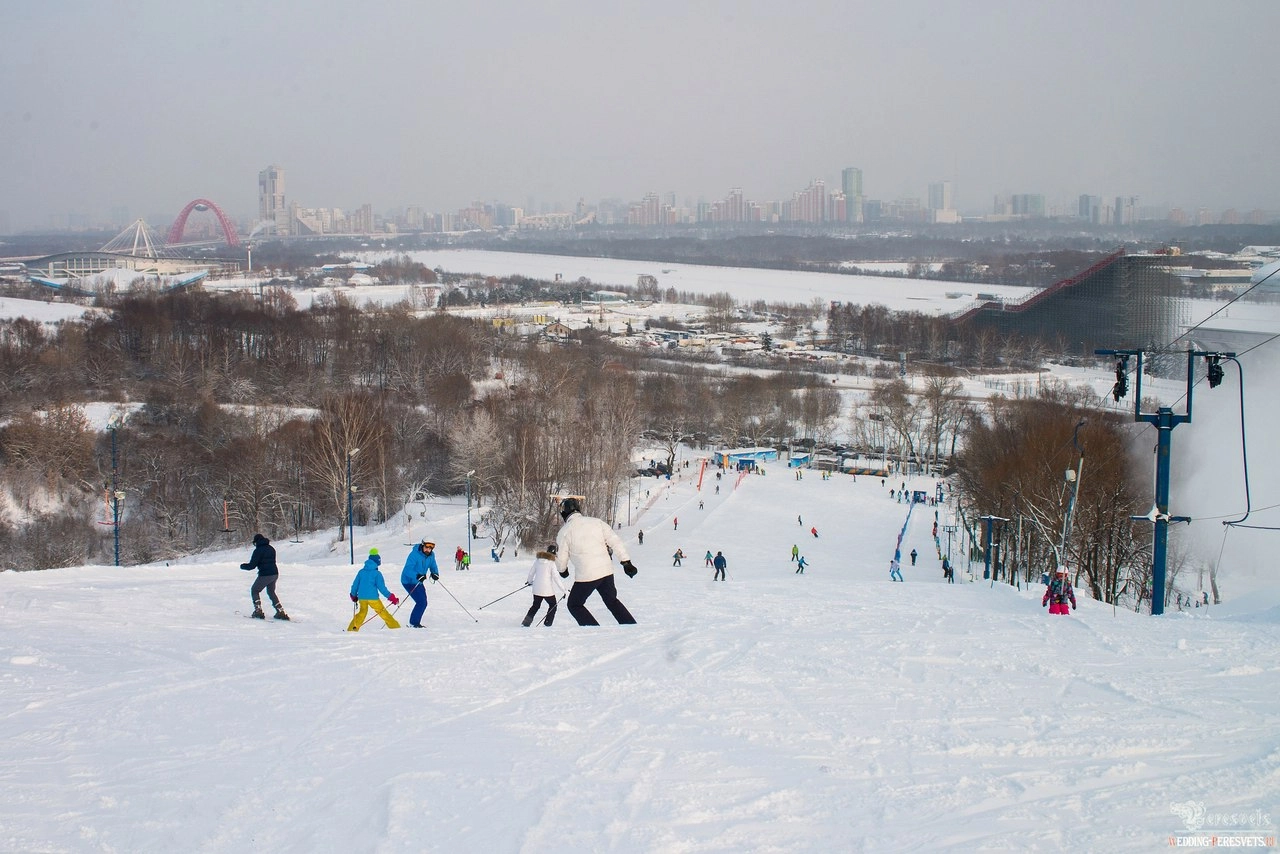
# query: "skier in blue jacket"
365, 590
420, 563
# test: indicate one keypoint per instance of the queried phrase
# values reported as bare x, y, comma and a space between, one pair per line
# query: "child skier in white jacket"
546, 586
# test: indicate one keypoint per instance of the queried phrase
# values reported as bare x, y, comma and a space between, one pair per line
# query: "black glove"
422, 578
629, 568
564, 573
353, 598
434, 579
244, 566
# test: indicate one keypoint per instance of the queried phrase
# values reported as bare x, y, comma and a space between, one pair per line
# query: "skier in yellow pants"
365, 590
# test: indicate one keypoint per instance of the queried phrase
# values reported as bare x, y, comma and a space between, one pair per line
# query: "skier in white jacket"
546, 586
591, 544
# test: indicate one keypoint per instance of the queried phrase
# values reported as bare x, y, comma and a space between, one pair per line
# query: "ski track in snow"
772, 712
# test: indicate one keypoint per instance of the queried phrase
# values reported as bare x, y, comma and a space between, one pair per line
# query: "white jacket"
585, 541
543, 576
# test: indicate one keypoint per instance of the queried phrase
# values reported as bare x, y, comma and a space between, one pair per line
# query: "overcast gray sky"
145, 105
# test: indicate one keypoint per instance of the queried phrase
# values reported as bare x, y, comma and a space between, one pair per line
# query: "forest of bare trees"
243, 413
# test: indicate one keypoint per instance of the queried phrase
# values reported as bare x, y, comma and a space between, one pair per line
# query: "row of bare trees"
1014, 466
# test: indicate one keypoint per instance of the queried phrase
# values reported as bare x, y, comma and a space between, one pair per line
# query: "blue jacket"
368, 582
418, 563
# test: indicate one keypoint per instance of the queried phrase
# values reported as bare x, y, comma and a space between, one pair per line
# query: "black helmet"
570, 506
551, 549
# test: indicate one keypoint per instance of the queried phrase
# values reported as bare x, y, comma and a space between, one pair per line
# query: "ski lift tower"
1164, 419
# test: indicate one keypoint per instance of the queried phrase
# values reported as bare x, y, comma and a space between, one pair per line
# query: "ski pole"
455, 599
550, 612
500, 598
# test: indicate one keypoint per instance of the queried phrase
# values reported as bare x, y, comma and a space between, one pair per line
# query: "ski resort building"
748, 458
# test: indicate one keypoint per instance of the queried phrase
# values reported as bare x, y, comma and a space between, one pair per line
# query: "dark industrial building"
1122, 302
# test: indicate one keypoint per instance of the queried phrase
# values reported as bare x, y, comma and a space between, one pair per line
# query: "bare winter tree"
348, 428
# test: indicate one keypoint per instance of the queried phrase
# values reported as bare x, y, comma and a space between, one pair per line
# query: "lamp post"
469, 474
351, 530
116, 493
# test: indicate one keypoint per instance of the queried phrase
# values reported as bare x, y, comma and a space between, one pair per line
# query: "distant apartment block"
851, 186
271, 202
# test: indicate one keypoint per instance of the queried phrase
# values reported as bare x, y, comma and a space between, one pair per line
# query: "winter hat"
259, 540
373, 552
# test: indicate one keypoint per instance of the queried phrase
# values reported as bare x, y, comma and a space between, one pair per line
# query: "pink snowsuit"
1058, 594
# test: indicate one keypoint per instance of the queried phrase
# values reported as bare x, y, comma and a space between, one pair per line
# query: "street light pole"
351, 530
469, 474
116, 492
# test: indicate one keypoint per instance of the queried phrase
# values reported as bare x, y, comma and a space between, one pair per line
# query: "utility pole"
351, 530
1164, 419
117, 494
469, 474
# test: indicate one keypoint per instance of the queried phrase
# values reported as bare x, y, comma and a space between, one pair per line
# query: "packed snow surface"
141, 710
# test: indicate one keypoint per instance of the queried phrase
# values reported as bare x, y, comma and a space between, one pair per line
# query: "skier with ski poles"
365, 590
420, 563
719, 563
546, 586
263, 559
588, 542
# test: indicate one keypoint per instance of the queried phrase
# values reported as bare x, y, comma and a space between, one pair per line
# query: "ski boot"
257, 613
280, 614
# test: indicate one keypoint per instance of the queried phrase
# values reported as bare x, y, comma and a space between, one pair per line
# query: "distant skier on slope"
719, 563
1059, 593
263, 559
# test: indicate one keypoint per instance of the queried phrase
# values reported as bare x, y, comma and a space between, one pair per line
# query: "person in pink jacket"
1059, 593
591, 545
546, 586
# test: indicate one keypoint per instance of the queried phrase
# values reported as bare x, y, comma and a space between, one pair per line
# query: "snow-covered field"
141, 710
745, 284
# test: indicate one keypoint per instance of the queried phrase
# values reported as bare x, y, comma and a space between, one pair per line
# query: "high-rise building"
1089, 209
851, 186
271, 204
940, 196
942, 205
1029, 205
1126, 210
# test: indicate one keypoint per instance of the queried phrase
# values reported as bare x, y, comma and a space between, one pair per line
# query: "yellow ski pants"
376, 604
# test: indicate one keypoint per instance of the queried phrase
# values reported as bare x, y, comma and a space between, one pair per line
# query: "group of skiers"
589, 544
420, 567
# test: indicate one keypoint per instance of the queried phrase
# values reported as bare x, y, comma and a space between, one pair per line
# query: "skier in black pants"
263, 559
591, 545
719, 563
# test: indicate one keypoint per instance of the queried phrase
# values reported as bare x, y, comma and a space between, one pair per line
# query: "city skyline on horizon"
121, 215
401, 105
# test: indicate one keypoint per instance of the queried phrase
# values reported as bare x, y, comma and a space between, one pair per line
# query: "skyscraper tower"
271, 205
851, 185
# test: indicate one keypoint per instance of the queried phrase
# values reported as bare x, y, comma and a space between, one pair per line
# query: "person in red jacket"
1059, 593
